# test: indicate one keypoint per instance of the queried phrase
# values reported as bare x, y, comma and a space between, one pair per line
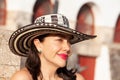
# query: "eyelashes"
59, 39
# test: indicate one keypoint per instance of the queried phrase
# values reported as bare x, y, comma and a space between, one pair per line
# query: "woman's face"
55, 49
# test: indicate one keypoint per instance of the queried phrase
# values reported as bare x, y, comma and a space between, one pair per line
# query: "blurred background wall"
96, 59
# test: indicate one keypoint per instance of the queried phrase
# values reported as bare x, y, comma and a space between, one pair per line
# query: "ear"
37, 44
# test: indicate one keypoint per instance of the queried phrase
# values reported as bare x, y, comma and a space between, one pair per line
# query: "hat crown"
54, 19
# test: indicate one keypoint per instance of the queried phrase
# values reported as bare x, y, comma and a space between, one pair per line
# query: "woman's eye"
59, 39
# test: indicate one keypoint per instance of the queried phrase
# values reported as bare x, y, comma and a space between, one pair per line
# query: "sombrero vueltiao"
20, 40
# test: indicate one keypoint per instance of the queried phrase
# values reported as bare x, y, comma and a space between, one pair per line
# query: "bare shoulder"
22, 74
79, 77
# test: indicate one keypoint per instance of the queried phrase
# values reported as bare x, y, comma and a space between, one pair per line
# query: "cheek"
51, 49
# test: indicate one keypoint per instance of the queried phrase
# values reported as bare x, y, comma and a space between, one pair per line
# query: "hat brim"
21, 39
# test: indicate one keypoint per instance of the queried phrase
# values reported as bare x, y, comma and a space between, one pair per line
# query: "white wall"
107, 14
20, 5
102, 69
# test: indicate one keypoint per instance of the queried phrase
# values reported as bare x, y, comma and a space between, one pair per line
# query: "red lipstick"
63, 56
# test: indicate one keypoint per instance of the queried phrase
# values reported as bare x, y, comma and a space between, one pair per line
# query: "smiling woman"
46, 44
55, 49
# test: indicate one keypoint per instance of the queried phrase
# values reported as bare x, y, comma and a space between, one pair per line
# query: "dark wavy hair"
33, 64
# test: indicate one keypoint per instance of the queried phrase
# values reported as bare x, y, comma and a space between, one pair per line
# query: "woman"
46, 44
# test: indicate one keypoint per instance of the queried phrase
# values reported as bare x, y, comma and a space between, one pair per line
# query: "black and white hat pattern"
55, 19
20, 40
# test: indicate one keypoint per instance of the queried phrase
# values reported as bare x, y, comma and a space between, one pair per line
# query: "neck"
48, 69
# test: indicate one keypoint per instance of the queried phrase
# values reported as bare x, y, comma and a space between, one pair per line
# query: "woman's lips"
63, 56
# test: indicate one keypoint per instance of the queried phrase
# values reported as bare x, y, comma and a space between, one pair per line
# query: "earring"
39, 50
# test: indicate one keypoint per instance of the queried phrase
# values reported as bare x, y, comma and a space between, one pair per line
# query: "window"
41, 7
117, 31
85, 24
85, 20
2, 12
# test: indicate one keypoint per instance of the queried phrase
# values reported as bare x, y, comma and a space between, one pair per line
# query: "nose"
66, 46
